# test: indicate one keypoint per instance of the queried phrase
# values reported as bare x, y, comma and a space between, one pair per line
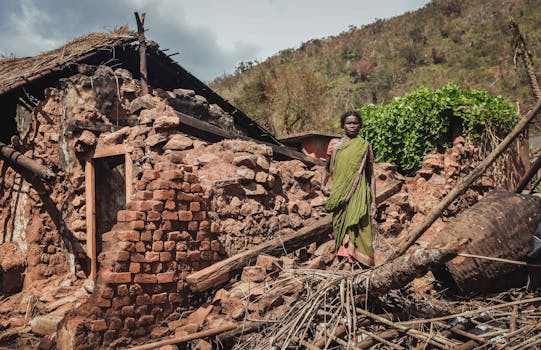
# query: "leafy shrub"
405, 130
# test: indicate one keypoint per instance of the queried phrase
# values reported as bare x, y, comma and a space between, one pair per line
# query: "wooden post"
90, 217
129, 177
18, 159
528, 176
417, 231
142, 52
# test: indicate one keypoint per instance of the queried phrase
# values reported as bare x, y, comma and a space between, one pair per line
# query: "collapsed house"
117, 207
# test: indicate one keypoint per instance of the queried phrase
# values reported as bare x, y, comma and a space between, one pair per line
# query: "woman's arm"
373, 205
325, 176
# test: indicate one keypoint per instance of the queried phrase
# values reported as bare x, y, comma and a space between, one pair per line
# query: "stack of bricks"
163, 236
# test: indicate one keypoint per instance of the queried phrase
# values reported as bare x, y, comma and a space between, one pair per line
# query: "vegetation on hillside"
459, 41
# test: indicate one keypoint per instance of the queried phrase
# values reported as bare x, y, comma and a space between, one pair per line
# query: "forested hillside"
461, 41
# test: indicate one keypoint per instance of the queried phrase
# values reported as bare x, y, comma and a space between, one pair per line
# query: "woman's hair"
349, 114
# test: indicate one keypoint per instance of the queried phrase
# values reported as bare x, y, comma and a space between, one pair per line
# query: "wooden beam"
222, 271
90, 217
536, 165
417, 231
110, 151
129, 177
20, 161
213, 133
142, 52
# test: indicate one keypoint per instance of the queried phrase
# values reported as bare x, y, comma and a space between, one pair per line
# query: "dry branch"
19, 160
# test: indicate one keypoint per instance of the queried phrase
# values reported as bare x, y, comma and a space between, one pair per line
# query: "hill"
465, 42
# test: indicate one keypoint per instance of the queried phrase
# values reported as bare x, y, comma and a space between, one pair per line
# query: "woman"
350, 162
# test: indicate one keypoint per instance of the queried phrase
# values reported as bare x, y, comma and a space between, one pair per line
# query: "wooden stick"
471, 312
521, 47
435, 213
536, 165
142, 52
185, 338
19, 160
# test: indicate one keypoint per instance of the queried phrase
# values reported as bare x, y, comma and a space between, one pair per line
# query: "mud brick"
170, 205
194, 245
141, 185
158, 235
169, 245
145, 278
173, 236
207, 255
198, 197
150, 175
140, 247
137, 258
126, 246
145, 320
166, 256
205, 245
194, 255
200, 215
146, 236
175, 298
166, 277
102, 302
191, 178
203, 236
128, 310
182, 246
116, 277
133, 236
160, 184
129, 323
185, 197
167, 225
145, 268
183, 206
159, 299
154, 216
152, 256
130, 215
164, 195
181, 256
170, 215
157, 246
216, 256
156, 267
108, 236
98, 325
121, 255
185, 187
136, 289
195, 206
215, 245
214, 228
171, 175
185, 215
204, 226
137, 225
122, 290
193, 226
135, 267
118, 302
143, 195
151, 226
195, 188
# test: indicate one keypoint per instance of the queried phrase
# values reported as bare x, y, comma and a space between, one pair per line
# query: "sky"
211, 36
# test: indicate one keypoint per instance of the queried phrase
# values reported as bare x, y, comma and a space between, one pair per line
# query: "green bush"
405, 130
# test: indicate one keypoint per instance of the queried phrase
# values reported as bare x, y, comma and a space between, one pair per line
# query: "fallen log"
185, 338
222, 271
416, 232
21, 161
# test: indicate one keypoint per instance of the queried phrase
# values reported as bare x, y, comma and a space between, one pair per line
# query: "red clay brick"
170, 205
166, 256
166, 277
133, 236
140, 247
205, 245
130, 215
214, 228
152, 256
157, 246
175, 298
182, 246
145, 320
141, 185
158, 235
215, 245
169, 245
102, 302
195, 188
173, 236
181, 256
116, 277
171, 175
186, 236
194, 245
203, 236
193, 226
159, 298
151, 226
122, 290
204, 226
156, 267
164, 195
185, 215
146, 236
198, 197
121, 255
160, 184
169, 215
185, 197
194, 255
118, 302
142, 195
191, 178
200, 215
129, 323
150, 175
195, 206
128, 310
137, 225
145, 278
185, 187
108, 236
135, 267
98, 325
207, 255
137, 258
154, 216
127, 246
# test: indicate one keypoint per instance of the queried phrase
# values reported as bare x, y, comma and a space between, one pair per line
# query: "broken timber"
20, 160
222, 271
416, 232
213, 133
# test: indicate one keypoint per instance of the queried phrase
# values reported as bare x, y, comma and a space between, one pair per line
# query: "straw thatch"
16, 70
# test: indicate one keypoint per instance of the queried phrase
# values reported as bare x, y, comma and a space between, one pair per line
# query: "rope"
508, 261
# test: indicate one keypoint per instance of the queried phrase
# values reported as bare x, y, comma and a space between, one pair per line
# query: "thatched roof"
17, 71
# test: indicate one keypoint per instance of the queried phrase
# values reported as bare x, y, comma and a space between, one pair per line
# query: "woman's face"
351, 126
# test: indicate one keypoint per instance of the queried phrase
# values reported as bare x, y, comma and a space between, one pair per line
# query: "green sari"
354, 218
